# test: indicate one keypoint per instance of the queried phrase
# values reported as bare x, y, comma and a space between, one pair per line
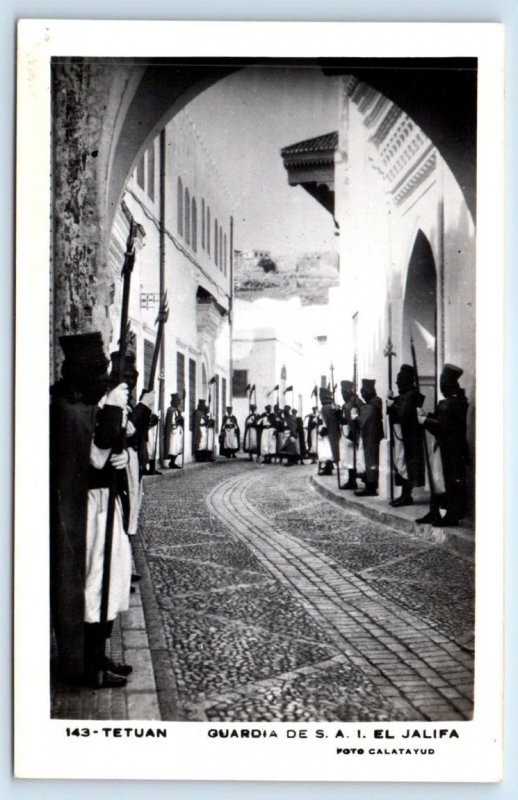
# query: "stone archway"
104, 114
420, 315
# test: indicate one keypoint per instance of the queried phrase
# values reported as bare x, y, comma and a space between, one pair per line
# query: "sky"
245, 120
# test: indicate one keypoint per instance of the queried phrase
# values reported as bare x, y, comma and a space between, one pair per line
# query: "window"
216, 241
225, 253
179, 202
224, 393
141, 172
187, 216
221, 249
208, 230
203, 223
194, 226
180, 377
192, 390
239, 382
149, 348
151, 172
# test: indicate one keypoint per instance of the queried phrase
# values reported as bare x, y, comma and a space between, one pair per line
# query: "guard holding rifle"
448, 474
407, 435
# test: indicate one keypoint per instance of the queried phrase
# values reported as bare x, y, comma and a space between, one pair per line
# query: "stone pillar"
86, 98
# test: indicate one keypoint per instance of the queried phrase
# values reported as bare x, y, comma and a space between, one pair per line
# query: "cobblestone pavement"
273, 603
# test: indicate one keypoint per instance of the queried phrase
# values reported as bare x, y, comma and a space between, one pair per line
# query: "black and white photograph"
261, 462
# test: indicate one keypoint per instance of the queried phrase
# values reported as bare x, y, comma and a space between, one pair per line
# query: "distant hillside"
308, 276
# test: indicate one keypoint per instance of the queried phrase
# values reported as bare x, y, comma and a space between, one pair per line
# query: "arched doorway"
420, 315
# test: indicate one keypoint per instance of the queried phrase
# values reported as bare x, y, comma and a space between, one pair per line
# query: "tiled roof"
319, 144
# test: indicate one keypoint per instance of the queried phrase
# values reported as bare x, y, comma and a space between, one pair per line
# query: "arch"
419, 317
179, 206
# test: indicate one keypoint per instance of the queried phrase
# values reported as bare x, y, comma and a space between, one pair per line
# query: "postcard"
260, 282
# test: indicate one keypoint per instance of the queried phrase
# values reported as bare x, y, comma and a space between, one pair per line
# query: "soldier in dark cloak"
312, 422
290, 448
300, 435
329, 433
349, 435
85, 424
229, 435
407, 435
174, 432
448, 426
251, 434
369, 418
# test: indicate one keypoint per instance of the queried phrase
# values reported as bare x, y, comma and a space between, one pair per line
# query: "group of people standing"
349, 437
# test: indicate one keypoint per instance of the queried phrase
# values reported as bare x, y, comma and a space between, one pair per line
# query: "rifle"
163, 315
389, 353
211, 383
425, 441
183, 429
127, 269
355, 390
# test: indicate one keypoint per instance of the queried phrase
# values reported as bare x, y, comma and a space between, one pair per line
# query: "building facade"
180, 204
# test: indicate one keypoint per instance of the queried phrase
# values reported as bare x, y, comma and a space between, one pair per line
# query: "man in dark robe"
290, 448
174, 433
300, 435
229, 435
448, 426
407, 435
329, 433
268, 434
312, 422
77, 424
370, 421
251, 435
349, 434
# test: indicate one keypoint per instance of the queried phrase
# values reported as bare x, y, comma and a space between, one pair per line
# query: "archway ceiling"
438, 94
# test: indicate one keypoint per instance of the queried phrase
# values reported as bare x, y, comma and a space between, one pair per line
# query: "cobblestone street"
266, 601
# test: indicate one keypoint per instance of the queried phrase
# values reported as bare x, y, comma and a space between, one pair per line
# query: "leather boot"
351, 483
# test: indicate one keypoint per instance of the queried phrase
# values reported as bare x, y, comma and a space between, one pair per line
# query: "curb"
460, 541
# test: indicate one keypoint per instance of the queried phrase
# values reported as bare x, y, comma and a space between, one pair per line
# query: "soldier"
407, 435
211, 433
85, 426
229, 435
448, 426
300, 435
268, 435
329, 433
200, 432
369, 419
174, 432
312, 422
251, 436
349, 435
290, 448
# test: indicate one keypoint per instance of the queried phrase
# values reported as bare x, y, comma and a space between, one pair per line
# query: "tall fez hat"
175, 397
201, 403
347, 386
252, 407
368, 384
268, 408
287, 407
325, 395
84, 348
407, 371
451, 373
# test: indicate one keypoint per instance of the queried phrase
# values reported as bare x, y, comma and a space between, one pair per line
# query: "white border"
41, 749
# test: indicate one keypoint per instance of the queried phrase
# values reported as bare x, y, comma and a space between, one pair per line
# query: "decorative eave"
311, 164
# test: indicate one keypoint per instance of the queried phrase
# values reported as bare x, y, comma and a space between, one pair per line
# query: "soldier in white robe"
174, 433
268, 438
